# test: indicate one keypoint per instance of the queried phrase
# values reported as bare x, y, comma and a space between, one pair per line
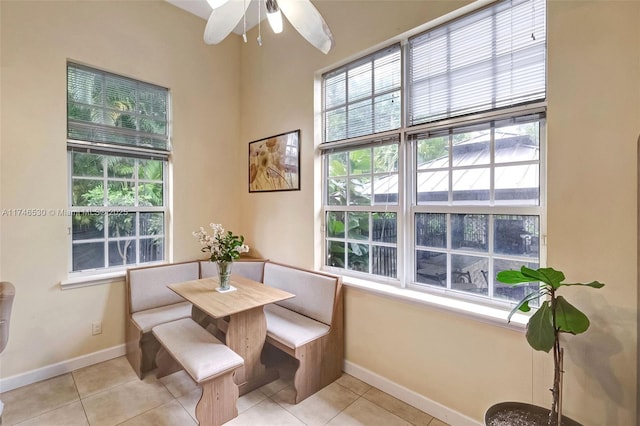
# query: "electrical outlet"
96, 328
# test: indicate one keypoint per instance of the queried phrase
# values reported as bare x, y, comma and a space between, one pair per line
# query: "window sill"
91, 280
488, 314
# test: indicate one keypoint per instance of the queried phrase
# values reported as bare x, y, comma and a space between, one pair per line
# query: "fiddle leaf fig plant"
554, 316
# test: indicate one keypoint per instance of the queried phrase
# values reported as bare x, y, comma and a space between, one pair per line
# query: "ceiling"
202, 9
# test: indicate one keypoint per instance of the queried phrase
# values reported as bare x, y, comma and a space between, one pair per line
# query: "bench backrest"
315, 292
248, 268
147, 286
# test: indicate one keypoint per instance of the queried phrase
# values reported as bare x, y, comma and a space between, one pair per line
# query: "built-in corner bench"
150, 303
308, 327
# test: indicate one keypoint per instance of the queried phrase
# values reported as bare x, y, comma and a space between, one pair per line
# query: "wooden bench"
150, 303
208, 361
308, 327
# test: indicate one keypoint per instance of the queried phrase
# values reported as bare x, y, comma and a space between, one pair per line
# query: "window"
451, 190
477, 208
363, 97
362, 208
118, 147
489, 59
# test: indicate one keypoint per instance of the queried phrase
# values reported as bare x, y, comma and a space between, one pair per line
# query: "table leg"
245, 336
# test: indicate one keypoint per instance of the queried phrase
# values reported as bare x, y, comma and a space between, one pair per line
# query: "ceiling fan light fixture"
274, 16
301, 14
216, 3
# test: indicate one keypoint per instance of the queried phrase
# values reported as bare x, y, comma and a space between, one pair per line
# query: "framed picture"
274, 163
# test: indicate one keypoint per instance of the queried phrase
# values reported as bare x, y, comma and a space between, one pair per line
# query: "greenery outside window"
118, 147
362, 208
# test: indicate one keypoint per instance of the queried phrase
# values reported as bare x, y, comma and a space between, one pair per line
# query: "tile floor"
110, 393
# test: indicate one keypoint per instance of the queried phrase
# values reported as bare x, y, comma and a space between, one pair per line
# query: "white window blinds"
489, 59
109, 109
363, 97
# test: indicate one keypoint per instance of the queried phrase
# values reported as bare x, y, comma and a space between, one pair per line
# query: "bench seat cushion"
290, 328
199, 352
315, 292
148, 285
149, 318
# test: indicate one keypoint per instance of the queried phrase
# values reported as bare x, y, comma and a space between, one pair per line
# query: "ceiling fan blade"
214, 4
306, 19
223, 20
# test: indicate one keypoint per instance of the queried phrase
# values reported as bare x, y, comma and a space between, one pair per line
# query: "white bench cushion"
148, 285
149, 318
290, 328
314, 292
200, 353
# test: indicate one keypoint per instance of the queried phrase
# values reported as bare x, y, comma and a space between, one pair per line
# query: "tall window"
363, 98
118, 147
451, 191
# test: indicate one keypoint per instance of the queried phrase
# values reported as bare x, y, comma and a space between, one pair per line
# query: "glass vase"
224, 274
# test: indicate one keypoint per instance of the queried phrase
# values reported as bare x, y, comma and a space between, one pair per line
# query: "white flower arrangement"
223, 246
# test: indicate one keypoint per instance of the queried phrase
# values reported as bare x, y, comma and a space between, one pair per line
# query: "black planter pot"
521, 414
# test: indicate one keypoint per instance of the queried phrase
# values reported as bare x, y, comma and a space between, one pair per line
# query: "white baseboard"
412, 398
63, 367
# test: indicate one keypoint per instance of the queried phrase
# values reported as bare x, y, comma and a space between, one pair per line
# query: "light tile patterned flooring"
110, 393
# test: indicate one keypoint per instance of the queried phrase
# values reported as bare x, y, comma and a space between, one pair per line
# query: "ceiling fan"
302, 15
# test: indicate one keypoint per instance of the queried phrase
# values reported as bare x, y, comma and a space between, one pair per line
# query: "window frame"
493, 11
389, 50
490, 209
405, 284
371, 208
117, 149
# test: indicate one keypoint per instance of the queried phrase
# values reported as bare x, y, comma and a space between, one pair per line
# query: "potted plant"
554, 317
225, 247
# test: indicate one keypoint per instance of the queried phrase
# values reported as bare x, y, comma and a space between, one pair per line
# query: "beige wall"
278, 95
594, 105
152, 41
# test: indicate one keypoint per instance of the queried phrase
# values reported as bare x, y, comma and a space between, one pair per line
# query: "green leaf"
336, 227
570, 319
355, 249
547, 275
594, 284
523, 304
512, 277
540, 332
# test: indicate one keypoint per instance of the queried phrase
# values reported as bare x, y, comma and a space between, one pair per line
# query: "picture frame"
274, 163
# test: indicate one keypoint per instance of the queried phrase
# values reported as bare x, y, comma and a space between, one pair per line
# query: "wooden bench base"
308, 327
314, 371
211, 364
218, 402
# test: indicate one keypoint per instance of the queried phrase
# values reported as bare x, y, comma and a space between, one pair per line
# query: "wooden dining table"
247, 327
